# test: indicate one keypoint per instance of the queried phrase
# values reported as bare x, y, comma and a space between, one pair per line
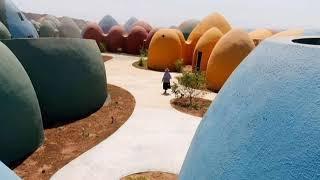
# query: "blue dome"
18, 25
311, 32
107, 23
265, 122
6, 173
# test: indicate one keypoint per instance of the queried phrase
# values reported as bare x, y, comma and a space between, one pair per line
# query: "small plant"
143, 52
190, 85
179, 64
141, 62
102, 47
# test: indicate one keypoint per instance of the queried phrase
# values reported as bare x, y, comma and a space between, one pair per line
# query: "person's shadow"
166, 94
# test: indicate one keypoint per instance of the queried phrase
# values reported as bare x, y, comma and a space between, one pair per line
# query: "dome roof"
15, 21
149, 38
93, 31
129, 24
260, 34
228, 53
186, 27
55, 21
48, 29
136, 40
290, 32
115, 39
143, 24
107, 22
68, 28
164, 50
21, 130
205, 46
264, 123
35, 24
4, 32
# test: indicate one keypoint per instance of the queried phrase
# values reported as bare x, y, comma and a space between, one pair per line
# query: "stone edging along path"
155, 138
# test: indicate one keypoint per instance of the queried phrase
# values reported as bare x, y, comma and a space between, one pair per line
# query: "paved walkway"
155, 138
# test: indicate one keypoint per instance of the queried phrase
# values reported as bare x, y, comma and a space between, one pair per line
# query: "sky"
165, 13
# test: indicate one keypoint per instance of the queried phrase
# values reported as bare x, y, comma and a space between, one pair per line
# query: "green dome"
4, 32
68, 28
68, 75
47, 29
21, 130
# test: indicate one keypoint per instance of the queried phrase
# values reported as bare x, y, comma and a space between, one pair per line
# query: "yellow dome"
204, 48
164, 50
290, 32
228, 53
259, 35
213, 20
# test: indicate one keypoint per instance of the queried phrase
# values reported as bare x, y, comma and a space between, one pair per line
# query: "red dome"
115, 39
150, 35
143, 24
93, 31
135, 40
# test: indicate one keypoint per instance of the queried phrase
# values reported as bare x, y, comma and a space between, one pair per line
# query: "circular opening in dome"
310, 41
163, 36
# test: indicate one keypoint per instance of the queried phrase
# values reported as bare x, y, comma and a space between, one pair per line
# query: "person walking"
166, 81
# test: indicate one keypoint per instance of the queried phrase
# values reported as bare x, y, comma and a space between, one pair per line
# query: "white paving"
155, 138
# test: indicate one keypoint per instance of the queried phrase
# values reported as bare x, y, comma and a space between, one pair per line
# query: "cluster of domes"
130, 38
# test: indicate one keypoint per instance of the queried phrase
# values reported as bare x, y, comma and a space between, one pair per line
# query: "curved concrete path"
155, 138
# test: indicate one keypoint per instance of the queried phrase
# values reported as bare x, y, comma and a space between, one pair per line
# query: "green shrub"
190, 85
179, 64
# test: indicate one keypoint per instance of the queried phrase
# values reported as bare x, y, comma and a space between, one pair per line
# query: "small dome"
259, 35
204, 48
186, 27
129, 24
93, 31
4, 32
143, 24
136, 40
115, 39
165, 49
21, 130
107, 22
47, 29
55, 21
228, 53
68, 28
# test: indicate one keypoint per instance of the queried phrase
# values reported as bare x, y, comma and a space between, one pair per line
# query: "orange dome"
228, 53
290, 32
150, 36
213, 20
165, 49
204, 48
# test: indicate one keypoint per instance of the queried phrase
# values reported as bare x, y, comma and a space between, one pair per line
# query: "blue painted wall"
6, 173
265, 122
19, 27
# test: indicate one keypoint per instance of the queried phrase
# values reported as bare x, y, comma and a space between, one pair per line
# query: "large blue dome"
18, 25
107, 22
265, 122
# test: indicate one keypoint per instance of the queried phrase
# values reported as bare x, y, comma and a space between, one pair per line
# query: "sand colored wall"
205, 45
165, 49
290, 32
228, 53
213, 20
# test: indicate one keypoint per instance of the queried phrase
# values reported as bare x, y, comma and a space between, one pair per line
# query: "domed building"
165, 49
259, 35
228, 53
4, 32
213, 20
289, 32
55, 21
36, 25
204, 48
93, 31
21, 130
186, 27
136, 40
15, 21
115, 39
264, 123
68, 28
48, 29
107, 22
150, 36
129, 24
143, 24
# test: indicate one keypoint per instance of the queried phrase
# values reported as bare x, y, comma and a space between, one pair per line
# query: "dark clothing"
166, 86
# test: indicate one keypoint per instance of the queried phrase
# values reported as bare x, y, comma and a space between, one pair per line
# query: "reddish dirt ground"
65, 143
151, 176
181, 104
